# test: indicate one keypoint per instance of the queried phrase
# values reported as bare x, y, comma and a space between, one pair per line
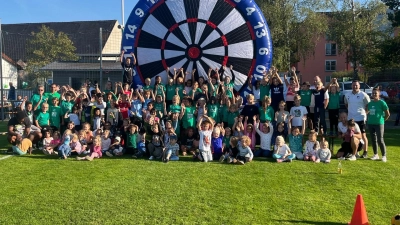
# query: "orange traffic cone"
359, 214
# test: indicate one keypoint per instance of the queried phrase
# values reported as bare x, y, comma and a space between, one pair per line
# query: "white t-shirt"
284, 149
310, 148
343, 129
356, 105
256, 93
205, 140
265, 139
298, 112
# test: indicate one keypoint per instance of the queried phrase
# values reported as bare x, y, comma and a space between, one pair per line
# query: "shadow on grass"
310, 222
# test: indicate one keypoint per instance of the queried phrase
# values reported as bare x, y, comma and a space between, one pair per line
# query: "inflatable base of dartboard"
198, 34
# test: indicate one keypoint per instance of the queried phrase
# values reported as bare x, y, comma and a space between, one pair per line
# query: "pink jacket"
97, 149
251, 135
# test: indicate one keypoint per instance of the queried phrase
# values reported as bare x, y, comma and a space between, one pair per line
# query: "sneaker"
375, 157
384, 159
352, 158
222, 159
88, 158
357, 155
151, 158
364, 155
240, 162
109, 154
341, 158
348, 155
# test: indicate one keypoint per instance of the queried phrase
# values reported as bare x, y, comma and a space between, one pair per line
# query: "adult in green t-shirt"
38, 99
52, 94
377, 114
188, 117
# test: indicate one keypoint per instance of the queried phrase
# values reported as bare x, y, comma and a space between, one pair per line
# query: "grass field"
39, 189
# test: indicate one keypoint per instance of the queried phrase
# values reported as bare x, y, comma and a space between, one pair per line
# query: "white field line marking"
6, 157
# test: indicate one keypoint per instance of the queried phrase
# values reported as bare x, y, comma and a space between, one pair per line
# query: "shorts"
361, 124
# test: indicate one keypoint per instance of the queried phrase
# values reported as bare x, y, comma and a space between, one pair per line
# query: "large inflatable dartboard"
198, 34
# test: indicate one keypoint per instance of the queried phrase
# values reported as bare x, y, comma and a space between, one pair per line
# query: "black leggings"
333, 119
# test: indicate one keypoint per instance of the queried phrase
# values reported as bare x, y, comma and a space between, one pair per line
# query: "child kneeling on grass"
245, 154
324, 154
24, 145
282, 152
171, 150
95, 150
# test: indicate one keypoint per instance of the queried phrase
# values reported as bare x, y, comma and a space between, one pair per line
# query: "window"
330, 49
330, 65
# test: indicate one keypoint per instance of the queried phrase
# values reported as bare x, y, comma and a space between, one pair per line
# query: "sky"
37, 11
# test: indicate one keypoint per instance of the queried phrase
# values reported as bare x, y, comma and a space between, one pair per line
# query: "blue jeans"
262, 153
64, 150
18, 151
319, 119
277, 156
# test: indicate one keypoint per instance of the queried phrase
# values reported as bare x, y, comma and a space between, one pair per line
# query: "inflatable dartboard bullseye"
198, 34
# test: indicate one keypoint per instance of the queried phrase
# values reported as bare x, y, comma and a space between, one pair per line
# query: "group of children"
187, 116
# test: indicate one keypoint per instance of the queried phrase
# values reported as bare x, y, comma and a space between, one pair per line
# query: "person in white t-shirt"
355, 102
298, 112
205, 128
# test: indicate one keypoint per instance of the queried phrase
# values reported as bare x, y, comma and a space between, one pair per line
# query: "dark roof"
84, 35
77, 66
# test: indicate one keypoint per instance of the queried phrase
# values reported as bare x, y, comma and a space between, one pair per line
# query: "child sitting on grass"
141, 148
76, 145
282, 152
95, 150
116, 147
296, 138
245, 154
324, 154
171, 150
312, 145
64, 150
23, 145
51, 149
46, 141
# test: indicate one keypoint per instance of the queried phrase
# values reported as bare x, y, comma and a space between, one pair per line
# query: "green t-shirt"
264, 91
227, 88
376, 115
212, 93
305, 97
226, 141
333, 101
212, 111
55, 114
160, 89
224, 113
159, 108
198, 90
35, 99
231, 118
66, 106
180, 90
50, 96
268, 114
188, 118
170, 91
131, 140
148, 87
175, 108
43, 118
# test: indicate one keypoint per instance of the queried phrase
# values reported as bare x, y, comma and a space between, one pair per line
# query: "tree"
358, 29
296, 26
394, 15
46, 47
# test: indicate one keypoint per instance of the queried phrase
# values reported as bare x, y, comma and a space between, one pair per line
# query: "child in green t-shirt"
43, 118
